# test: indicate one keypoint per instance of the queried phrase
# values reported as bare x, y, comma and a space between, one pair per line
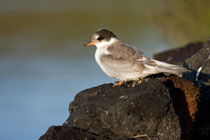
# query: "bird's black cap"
105, 34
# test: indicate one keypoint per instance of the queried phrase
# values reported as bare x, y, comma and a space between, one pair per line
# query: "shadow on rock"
185, 96
201, 128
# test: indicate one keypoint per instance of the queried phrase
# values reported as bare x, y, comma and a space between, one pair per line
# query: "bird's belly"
118, 74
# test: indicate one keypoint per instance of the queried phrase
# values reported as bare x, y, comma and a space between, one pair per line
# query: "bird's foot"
118, 83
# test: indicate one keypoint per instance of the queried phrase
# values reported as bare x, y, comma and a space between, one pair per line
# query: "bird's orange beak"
90, 43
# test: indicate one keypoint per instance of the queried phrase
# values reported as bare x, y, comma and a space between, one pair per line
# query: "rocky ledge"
160, 108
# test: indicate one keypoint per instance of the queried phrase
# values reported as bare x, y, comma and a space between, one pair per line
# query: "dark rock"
178, 55
160, 108
201, 126
185, 100
126, 112
201, 59
69, 133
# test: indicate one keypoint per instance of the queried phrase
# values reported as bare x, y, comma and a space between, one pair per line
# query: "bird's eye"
100, 38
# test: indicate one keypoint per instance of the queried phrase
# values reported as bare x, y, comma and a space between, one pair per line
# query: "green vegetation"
184, 20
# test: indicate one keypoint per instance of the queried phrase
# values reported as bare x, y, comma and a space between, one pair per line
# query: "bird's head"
102, 37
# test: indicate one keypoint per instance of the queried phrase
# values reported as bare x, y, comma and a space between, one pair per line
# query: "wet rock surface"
161, 107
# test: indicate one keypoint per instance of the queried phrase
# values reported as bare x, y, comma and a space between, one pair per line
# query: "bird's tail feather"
170, 68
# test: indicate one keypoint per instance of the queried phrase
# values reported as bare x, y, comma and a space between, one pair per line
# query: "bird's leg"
118, 83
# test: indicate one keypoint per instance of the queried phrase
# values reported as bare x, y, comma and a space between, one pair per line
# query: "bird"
125, 62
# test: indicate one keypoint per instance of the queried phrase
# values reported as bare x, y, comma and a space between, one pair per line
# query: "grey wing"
123, 58
150, 66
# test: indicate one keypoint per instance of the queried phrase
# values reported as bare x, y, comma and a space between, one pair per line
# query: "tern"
125, 62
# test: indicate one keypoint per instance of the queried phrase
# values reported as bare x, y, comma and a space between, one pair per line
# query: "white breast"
99, 52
